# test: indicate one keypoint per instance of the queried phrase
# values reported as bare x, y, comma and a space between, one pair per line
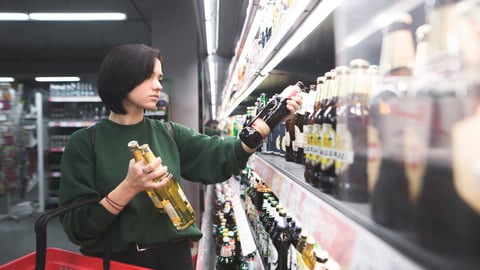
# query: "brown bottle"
324, 139
391, 118
447, 216
174, 201
309, 133
299, 145
269, 117
352, 184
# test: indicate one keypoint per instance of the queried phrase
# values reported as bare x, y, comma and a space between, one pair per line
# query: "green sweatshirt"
191, 155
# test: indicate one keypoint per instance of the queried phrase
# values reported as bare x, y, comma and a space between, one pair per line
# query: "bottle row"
78, 111
400, 135
78, 89
280, 238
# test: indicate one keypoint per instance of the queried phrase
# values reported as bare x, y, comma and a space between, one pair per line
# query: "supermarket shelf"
276, 48
244, 229
70, 123
206, 248
75, 99
344, 229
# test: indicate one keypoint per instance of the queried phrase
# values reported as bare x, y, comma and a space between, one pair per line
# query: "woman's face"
146, 94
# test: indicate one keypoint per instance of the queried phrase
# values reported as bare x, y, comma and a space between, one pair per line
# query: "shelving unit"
339, 32
62, 121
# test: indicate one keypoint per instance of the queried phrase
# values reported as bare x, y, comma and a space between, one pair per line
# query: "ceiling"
30, 48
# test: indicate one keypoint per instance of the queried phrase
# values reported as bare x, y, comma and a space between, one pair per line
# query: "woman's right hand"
140, 175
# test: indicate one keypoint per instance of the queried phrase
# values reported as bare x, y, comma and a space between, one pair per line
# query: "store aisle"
17, 238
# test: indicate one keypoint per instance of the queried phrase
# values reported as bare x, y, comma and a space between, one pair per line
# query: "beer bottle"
390, 119
173, 199
299, 145
282, 244
447, 218
318, 132
308, 127
329, 125
352, 142
290, 138
269, 117
308, 256
137, 155
225, 261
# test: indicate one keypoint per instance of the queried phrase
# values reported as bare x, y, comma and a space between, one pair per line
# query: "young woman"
129, 82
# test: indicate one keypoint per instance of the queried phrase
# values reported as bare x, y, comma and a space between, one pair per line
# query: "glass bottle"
329, 126
282, 245
138, 155
290, 138
308, 256
386, 162
225, 261
446, 213
299, 145
173, 199
318, 131
269, 117
352, 142
309, 130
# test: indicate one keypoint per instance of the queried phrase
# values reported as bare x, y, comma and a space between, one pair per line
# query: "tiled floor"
17, 237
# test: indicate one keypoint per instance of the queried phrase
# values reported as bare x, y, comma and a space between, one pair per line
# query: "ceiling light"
13, 16
78, 16
58, 79
7, 79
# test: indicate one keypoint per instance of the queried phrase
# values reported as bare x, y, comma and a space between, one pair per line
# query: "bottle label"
344, 153
172, 214
415, 156
316, 143
327, 153
308, 142
299, 137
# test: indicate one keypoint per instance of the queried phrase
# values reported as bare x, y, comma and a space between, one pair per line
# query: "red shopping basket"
58, 259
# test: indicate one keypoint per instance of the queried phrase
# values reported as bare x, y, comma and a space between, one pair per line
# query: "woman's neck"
125, 119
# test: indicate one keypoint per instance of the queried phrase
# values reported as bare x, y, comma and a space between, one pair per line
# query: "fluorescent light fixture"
78, 16
318, 14
7, 79
58, 79
13, 16
211, 9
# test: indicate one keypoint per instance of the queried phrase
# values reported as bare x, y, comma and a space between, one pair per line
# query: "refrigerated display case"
341, 31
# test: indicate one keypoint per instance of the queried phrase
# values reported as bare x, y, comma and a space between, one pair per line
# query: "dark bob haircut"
122, 69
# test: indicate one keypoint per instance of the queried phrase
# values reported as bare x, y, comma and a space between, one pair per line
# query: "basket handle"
41, 228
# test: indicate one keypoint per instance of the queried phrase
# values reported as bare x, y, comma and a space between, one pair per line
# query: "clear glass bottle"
173, 199
138, 155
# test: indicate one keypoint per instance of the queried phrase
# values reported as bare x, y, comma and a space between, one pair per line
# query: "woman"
129, 82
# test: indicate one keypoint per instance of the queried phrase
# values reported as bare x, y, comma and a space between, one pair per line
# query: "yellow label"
328, 147
316, 143
308, 142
